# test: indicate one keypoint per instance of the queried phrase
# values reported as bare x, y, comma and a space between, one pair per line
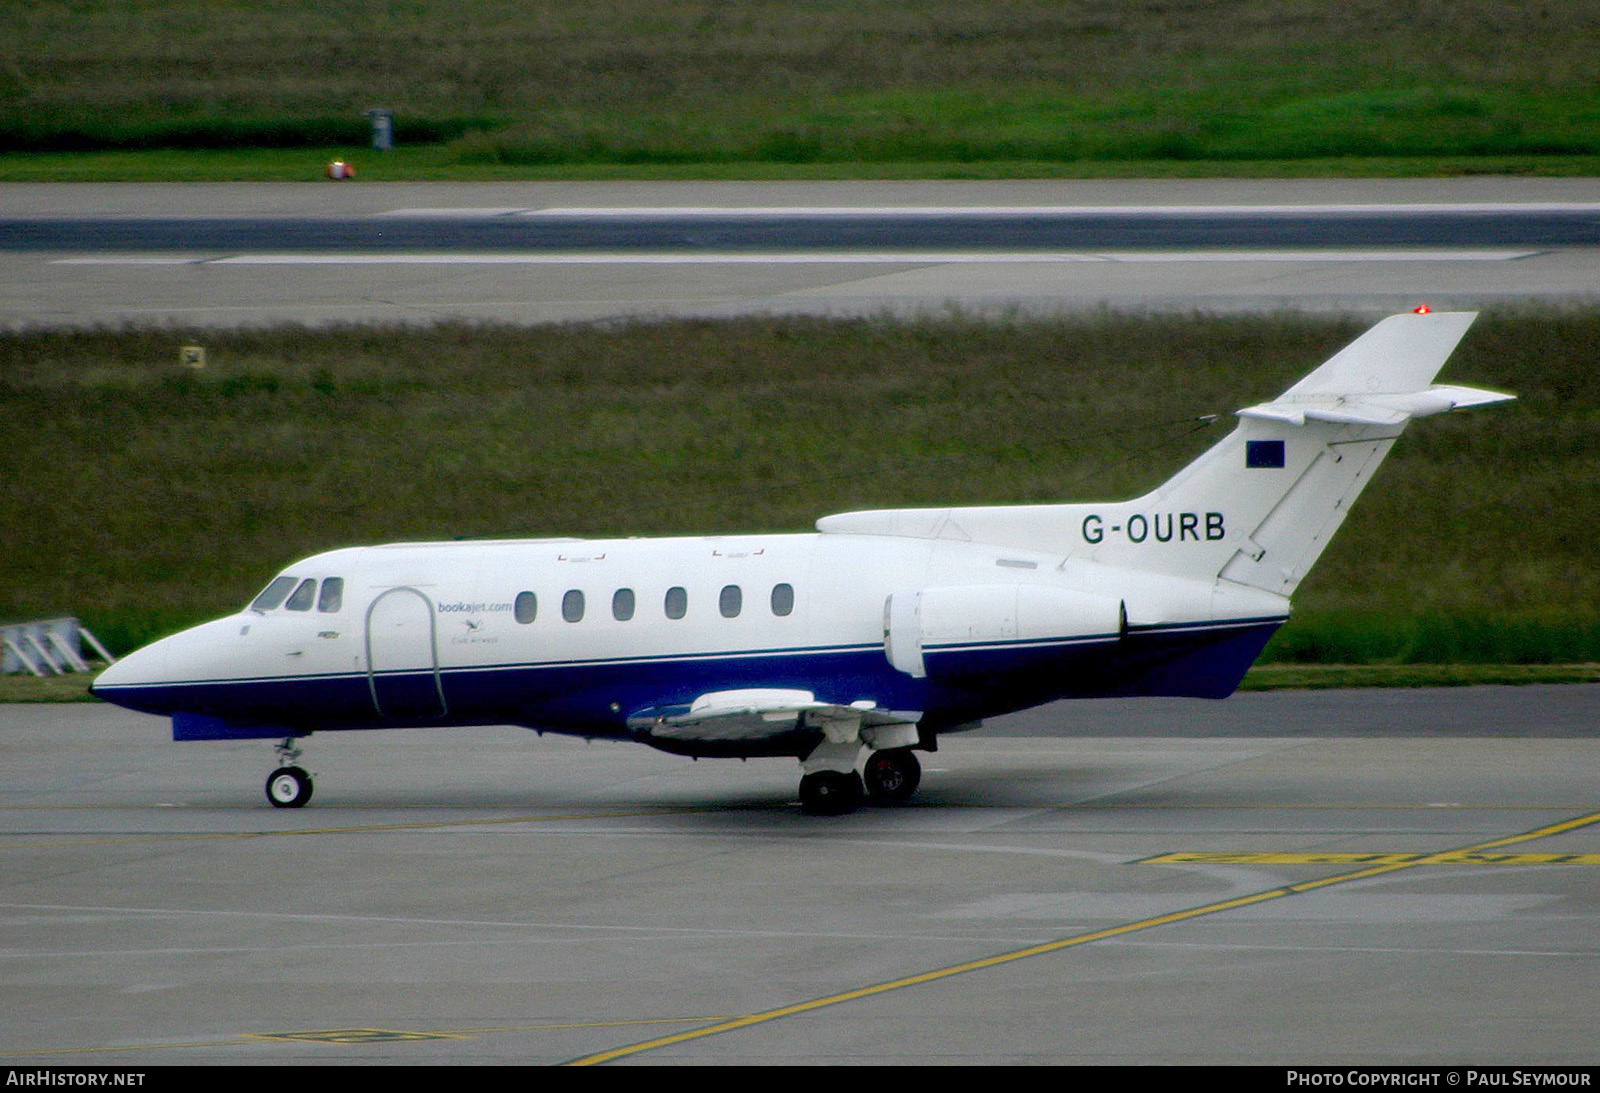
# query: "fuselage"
579, 636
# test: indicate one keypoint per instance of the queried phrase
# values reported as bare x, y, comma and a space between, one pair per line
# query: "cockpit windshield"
303, 596
305, 593
274, 594
332, 597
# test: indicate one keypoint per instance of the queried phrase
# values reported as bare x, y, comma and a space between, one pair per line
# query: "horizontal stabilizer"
1377, 409
1465, 398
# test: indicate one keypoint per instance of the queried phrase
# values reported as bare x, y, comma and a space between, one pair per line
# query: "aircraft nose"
152, 679
129, 671
131, 680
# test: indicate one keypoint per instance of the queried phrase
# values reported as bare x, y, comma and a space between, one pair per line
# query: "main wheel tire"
288, 787
892, 775
830, 793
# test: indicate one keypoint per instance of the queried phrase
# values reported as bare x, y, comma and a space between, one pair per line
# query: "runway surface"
783, 228
222, 255
1344, 878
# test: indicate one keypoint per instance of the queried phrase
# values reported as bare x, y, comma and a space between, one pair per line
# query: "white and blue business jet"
848, 649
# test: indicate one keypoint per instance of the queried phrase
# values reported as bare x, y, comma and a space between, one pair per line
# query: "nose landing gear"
289, 786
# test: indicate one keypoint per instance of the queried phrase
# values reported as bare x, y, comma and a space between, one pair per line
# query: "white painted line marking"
463, 212
1560, 954
1466, 255
1059, 210
128, 261
583, 928
812, 258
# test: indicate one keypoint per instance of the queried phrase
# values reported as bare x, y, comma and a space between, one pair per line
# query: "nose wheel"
289, 786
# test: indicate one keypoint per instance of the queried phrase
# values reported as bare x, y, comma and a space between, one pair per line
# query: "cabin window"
273, 594
572, 606
526, 607
332, 597
677, 604
730, 602
622, 605
301, 600
782, 599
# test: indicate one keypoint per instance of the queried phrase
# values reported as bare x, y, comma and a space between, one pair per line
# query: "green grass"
163, 496
1284, 677
73, 687
829, 88
422, 163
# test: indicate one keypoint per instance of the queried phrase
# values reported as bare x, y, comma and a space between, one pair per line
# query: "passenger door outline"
407, 698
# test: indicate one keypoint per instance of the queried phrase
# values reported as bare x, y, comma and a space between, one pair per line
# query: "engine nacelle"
972, 617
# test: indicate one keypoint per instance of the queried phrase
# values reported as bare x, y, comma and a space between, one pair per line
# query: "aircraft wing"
758, 713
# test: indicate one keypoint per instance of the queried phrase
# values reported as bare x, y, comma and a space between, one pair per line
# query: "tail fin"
1284, 480
1259, 507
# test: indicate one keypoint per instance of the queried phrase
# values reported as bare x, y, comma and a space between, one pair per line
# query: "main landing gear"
289, 786
830, 792
891, 776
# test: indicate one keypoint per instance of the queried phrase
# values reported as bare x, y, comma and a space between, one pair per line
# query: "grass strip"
1298, 677
438, 163
665, 85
